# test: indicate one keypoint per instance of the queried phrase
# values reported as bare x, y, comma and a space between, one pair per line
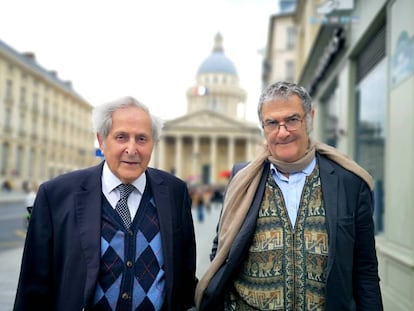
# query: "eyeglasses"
291, 124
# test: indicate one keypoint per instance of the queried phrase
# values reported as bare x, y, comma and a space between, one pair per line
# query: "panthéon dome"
217, 61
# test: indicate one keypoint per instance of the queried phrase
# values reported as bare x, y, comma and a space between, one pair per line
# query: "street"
12, 235
205, 232
12, 224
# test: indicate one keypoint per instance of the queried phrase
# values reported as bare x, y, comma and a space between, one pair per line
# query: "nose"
131, 148
283, 130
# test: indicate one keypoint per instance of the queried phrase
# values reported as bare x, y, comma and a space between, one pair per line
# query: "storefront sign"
402, 61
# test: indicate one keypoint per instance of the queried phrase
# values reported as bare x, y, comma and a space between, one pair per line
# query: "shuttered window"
372, 53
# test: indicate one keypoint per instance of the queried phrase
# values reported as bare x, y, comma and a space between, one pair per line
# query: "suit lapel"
164, 210
88, 202
329, 184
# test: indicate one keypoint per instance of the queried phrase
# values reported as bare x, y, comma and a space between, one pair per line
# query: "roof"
217, 61
28, 59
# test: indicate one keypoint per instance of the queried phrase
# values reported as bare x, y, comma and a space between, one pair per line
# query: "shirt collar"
110, 181
307, 170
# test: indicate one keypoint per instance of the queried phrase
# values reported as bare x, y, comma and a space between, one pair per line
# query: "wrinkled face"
284, 145
128, 146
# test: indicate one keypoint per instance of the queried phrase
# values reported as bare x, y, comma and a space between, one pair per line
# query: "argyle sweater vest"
131, 275
285, 268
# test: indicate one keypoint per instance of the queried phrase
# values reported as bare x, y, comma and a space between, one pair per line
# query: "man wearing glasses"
296, 230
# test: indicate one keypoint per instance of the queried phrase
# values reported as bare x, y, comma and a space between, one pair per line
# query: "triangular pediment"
207, 119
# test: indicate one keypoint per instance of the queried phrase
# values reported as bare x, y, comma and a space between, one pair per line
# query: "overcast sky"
147, 49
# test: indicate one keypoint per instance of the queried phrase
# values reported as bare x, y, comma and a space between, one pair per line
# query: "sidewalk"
10, 260
9, 271
11, 196
205, 232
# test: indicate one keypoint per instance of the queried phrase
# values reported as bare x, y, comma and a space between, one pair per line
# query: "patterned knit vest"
285, 268
131, 275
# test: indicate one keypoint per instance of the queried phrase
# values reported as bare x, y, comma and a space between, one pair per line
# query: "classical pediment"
207, 119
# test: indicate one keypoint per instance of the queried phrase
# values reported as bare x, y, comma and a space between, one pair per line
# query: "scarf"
240, 193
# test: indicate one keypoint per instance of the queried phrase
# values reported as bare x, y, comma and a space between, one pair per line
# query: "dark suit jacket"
352, 276
61, 257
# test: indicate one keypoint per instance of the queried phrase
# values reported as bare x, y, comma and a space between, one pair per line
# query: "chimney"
68, 84
30, 55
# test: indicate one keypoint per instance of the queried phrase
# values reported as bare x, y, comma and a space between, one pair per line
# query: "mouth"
284, 142
130, 162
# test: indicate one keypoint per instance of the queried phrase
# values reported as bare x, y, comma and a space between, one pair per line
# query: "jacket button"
125, 296
129, 263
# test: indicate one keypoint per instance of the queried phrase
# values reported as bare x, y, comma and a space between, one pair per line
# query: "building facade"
202, 146
45, 127
279, 58
356, 58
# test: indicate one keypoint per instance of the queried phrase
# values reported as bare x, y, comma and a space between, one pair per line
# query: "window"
371, 103
290, 70
35, 103
19, 161
23, 97
9, 89
7, 118
371, 96
290, 38
331, 116
34, 126
46, 107
22, 122
4, 158
30, 162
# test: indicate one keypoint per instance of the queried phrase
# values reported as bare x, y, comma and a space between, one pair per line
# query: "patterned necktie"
122, 205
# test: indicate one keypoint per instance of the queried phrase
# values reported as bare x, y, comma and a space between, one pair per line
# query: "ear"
101, 142
312, 116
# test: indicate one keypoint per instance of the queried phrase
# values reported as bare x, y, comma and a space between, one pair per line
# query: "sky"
150, 50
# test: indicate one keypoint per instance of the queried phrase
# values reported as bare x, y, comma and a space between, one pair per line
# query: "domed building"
217, 85
202, 146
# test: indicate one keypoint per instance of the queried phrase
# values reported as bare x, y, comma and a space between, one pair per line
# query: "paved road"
12, 224
10, 259
205, 232
9, 271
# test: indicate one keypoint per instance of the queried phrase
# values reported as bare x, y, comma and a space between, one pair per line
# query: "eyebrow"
295, 114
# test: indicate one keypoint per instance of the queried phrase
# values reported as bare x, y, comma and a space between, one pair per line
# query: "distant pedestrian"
31, 191
200, 210
7, 186
216, 199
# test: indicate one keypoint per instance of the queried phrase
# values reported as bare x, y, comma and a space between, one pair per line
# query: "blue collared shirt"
292, 187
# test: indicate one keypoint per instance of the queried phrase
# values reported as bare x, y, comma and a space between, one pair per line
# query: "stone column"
178, 156
213, 157
12, 164
230, 156
161, 154
196, 158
